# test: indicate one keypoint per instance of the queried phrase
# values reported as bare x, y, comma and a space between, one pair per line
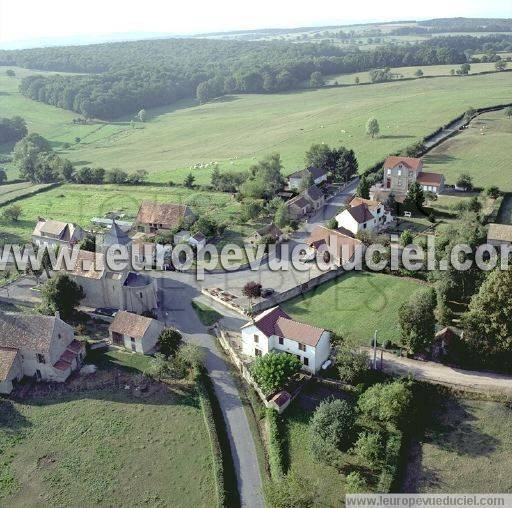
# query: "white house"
38, 346
136, 333
313, 174
54, 233
198, 241
363, 215
274, 330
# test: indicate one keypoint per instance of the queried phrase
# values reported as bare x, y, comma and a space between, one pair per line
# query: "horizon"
16, 32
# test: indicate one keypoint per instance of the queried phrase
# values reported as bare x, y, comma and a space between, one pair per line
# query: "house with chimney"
400, 173
33, 345
364, 215
274, 330
54, 233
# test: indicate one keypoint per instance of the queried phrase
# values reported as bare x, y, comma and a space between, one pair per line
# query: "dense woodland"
123, 78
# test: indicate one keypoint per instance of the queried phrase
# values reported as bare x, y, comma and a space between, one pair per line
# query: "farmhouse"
339, 245
310, 175
54, 233
155, 217
38, 346
499, 234
270, 230
307, 201
136, 333
274, 330
401, 172
363, 215
124, 290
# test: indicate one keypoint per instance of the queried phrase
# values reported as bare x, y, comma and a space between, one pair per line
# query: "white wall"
248, 343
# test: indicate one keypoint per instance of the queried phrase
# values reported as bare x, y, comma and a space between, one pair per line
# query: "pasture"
483, 150
237, 130
467, 450
356, 305
106, 447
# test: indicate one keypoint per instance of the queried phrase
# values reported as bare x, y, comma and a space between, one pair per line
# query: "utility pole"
375, 350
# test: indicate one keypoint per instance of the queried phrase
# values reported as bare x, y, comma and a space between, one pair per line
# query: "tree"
332, 426
418, 73
252, 290
116, 175
355, 483
67, 171
88, 243
344, 164
386, 403
26, 154
318, 155
406, 238
271, 371
250, 209
291, 491
189, 180
61, 294
190, 355
363, 188
370, 448
281, 216
464, 181
352, 365
415, 196
316, 80
265, 178
170, 340
487, 324
417, 320
372, 127
12, 213
332, 223
493, 192
3, 175
141, 115
10, 73
391, 203
306, 181
205, 225
500, 65
508, 112
464, 69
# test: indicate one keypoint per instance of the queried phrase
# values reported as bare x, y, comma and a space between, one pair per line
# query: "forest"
119, 79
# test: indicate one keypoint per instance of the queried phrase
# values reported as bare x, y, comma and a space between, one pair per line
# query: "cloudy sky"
22, 20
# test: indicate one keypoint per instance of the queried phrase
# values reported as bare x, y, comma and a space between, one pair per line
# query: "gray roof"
115, 236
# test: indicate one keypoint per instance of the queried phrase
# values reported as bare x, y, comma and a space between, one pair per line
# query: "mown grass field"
468, 450
483, 150
105, 447
356, 305
236, 130
409, 72
79, 203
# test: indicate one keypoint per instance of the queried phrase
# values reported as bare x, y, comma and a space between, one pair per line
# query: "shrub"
391, 466
275, 444
369, 448
493, 192
352, 365
355, 483
292, 491
170, 341
272, 370
387, 344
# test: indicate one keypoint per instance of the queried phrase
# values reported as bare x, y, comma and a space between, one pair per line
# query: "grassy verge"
206, 314
276, 444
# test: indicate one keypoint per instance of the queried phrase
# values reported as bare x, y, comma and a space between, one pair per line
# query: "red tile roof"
430, 178
410, 162
76, 346
7, 359
267, 320
321, 234
61, 365
167, 214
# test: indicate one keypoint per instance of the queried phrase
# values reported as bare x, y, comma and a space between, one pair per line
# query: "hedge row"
391, 467
275, 445
205, 393
44, 188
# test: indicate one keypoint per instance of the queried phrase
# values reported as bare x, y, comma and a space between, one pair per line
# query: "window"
140, 295
302, 347
389, 171
379, 210
281, 340
399, 172
40, 358
257, 352
256, 338
364, 225
306, 361
400, 182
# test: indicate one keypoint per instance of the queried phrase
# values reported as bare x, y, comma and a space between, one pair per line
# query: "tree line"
125, 78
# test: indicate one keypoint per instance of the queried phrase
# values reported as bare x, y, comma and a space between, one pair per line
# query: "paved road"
487, 382
177, 311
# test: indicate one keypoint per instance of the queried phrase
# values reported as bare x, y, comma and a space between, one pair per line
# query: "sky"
23, 20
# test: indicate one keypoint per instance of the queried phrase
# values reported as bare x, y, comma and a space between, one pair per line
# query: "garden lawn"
79, 203
469, 450
206, 314
484, 151
107, 448
237, 130
355, 305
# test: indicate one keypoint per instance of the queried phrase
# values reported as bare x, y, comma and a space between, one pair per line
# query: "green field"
356, 305
236, 130
484, 150
468, 450
408, 72
105, 447
79, 203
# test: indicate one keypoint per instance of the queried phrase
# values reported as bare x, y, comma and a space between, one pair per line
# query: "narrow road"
486, 382
177, 311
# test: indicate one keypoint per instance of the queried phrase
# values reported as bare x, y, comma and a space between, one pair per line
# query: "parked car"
265, 293
307, 257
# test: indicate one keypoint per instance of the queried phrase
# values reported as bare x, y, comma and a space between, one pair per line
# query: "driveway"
486, 382
177, 311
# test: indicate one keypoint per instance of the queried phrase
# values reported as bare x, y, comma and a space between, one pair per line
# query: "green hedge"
391, 466
275, 445
205, 392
